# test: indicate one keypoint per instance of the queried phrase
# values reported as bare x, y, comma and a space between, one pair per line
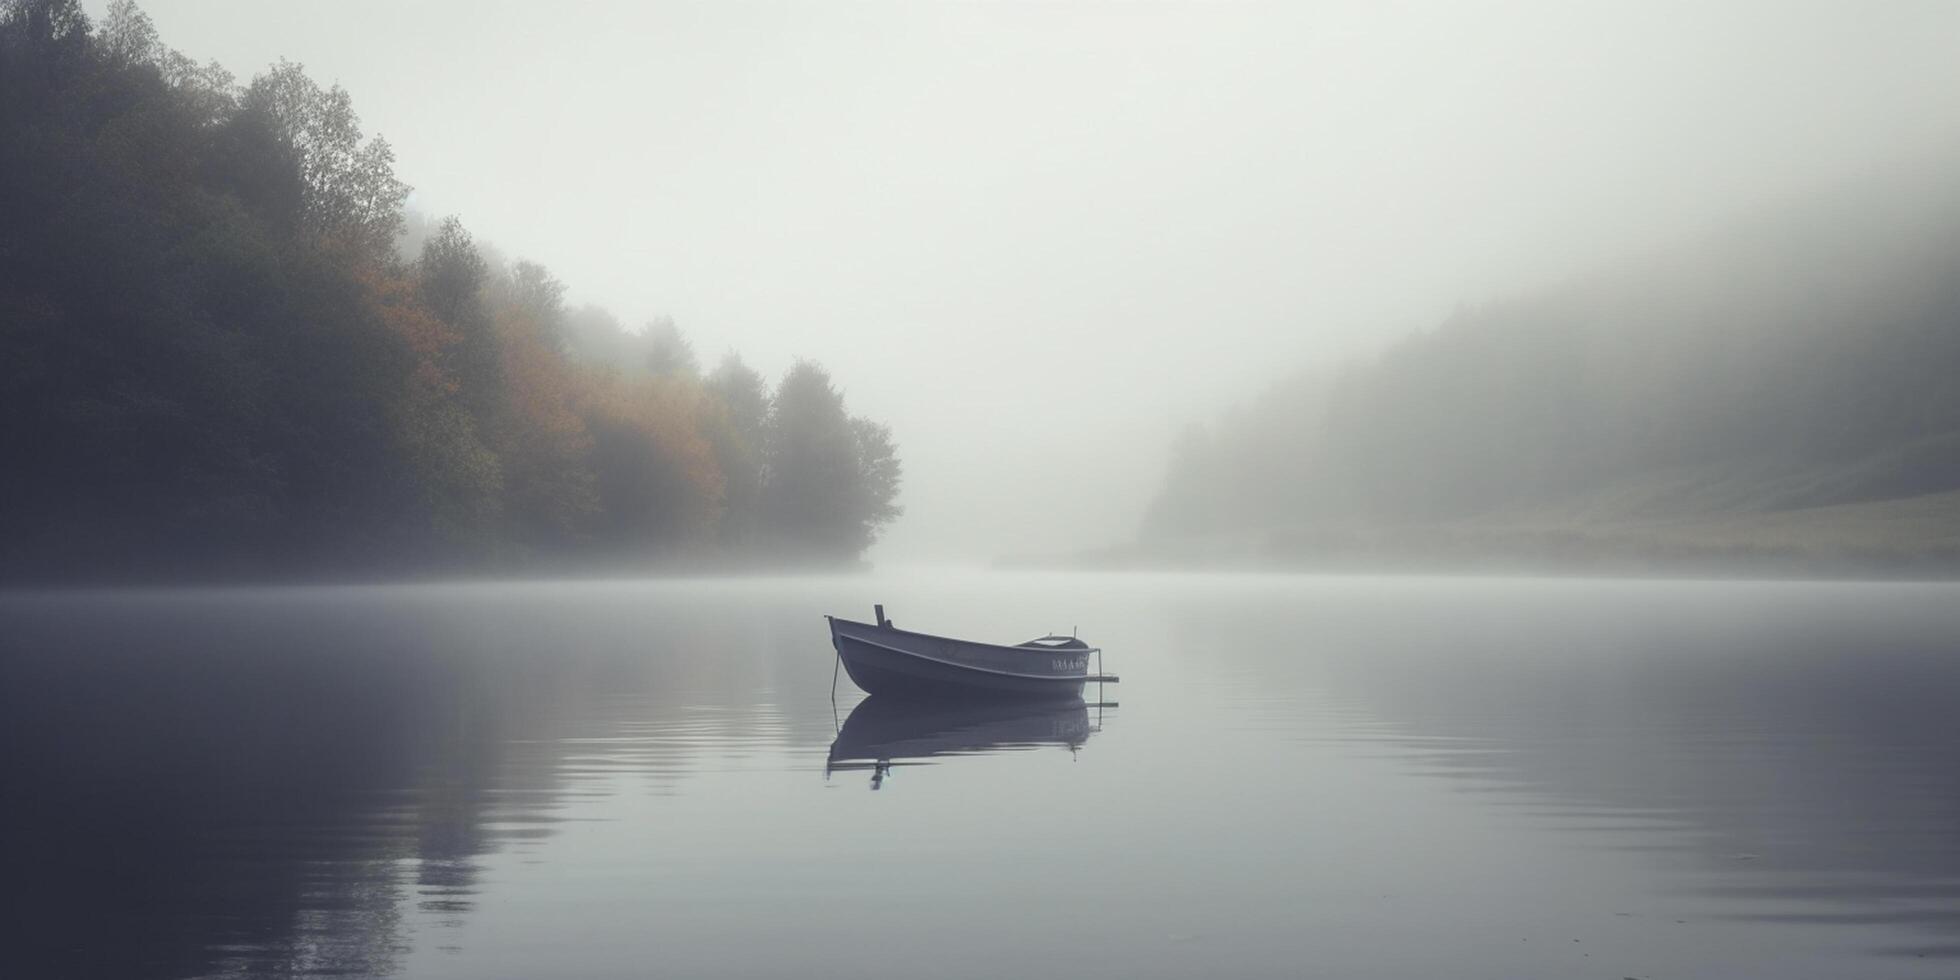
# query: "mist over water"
1049, 236
1509, 454
1367, 777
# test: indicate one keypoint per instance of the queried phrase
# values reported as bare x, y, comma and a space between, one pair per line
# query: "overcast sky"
1038, 239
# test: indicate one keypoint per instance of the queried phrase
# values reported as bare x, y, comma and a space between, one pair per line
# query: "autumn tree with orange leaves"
217, 364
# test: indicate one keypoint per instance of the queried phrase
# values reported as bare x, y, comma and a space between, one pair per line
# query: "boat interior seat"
1056, 643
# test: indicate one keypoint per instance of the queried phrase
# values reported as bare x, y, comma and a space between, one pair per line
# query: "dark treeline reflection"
220, 361
1794, 742
220, 783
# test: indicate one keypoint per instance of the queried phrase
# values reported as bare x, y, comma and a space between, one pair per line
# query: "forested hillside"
215, 359
1784, 388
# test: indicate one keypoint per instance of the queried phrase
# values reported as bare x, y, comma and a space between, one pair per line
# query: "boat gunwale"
954, 639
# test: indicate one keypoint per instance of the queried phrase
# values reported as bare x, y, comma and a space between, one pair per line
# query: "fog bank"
1038, 239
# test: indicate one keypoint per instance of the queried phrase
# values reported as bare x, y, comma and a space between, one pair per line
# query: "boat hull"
894, 663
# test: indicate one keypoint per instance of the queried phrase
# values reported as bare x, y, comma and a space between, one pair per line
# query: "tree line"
1802, 357
217, 357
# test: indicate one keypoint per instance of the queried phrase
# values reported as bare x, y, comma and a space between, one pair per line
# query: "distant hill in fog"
1784, 395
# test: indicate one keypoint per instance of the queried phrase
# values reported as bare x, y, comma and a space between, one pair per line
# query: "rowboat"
885, 660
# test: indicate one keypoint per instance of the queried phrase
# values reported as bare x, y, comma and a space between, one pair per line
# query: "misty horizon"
1064, 488
1078, 204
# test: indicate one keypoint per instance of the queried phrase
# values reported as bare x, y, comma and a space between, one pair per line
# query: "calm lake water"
1306, 776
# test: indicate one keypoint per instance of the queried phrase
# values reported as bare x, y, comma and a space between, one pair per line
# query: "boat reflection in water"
883, 732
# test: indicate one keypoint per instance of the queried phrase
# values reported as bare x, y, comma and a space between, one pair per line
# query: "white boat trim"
1005, 647
983, 670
